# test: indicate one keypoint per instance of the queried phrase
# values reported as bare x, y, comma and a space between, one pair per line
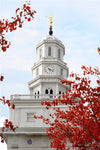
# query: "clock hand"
49, 68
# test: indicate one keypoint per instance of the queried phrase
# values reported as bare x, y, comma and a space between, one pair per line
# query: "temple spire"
50, 29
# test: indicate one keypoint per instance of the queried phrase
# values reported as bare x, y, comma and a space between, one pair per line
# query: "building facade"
47, 73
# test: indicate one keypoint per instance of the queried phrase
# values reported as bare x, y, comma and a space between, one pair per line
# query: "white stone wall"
29, 105
21, 142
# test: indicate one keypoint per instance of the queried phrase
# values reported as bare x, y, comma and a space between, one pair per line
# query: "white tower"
49, 69
47, 72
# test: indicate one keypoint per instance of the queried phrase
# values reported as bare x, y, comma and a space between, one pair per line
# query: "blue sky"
75, 22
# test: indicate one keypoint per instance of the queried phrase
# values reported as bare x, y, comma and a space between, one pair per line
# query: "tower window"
61, 71
59, 92
46, 91
58, 53
40, 53
51, 91
38, 94
37, 71
49, 51
35, 94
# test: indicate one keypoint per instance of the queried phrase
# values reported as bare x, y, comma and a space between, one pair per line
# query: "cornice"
50, 61
27, 131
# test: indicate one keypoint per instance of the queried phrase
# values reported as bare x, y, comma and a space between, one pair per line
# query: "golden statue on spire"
50, 29
50, 17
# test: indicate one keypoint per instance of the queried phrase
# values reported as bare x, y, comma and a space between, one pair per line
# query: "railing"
34, 97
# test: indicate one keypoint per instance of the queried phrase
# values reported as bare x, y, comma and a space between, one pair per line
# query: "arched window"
46, 91
49, 51
51, 91
35, 94
38, 94
61, 71
58, 53
59, 92
37, 71
40, 53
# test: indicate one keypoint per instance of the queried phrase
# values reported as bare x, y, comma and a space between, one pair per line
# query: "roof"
50, 39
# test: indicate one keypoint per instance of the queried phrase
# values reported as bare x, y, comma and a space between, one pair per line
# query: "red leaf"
98, 89
72, 75
7, 101
98, 50
2, 141
6, 121
3, 128
10, 122
29, 19
98, 81
17, 9
4, 49
21, 13
35, 117
25, 17
28, 8
2, 77
13, 106
24, 6
35, 11
20, 26
8, 104
7, 46
42, 102
83, 67
7, 125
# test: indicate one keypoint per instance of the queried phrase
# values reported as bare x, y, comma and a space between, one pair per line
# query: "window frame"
30, 117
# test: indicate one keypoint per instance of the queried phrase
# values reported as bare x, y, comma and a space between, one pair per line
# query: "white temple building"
47, 73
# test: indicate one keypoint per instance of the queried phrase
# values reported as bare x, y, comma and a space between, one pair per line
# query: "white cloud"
2, 119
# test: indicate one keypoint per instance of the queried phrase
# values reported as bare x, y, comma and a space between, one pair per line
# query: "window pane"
61, 71
46, 91
37, 71
49, 51
59, 92
58, 53
40, 53
51, 91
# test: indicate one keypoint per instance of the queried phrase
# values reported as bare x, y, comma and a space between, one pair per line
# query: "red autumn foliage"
5, 25
1, 78
25, 13
4, 101
98, 50
76, 117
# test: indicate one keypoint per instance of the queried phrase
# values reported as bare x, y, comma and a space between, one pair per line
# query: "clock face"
49, 69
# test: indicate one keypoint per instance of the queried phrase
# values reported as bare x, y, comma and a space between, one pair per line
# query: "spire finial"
50, 31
